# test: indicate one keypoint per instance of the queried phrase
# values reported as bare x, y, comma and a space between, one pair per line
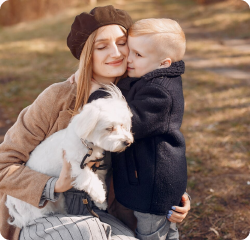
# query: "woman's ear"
165, 63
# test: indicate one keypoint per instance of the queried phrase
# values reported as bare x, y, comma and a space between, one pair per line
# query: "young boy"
151, 175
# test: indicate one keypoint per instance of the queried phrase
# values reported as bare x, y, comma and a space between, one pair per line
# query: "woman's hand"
179, 213
64, 181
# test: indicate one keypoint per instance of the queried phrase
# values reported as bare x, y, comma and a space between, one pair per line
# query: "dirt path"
223, 65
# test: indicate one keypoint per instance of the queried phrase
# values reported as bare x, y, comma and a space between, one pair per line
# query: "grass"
217, 111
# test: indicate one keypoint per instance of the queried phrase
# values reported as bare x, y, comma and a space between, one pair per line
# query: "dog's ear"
85, 122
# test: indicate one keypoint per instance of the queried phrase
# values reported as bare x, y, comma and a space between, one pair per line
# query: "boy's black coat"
151, 175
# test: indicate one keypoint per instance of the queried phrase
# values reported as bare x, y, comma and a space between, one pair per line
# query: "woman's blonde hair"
167, 34
85, 73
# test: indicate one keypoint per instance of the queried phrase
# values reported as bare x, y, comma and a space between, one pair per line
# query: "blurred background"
33, 55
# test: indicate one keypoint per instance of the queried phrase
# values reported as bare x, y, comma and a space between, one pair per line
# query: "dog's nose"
127, 143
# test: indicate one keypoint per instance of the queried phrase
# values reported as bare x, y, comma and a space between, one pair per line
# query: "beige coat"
47, 115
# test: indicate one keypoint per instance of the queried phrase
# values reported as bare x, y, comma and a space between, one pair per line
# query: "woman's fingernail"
169, 215
170, 212
173, 208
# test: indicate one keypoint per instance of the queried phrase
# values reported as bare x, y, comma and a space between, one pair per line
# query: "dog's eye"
110, 129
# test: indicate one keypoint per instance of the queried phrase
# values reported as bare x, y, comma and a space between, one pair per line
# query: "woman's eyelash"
137, 54
101, 48
121, 44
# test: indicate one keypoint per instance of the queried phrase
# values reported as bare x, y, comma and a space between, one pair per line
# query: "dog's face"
107, 123
113, 128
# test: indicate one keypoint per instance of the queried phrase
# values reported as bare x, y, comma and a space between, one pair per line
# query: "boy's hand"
178, 214
71, 79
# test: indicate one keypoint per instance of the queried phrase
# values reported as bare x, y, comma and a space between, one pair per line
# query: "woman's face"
110, 54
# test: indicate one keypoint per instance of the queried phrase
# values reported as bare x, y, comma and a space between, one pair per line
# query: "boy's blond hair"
167, 34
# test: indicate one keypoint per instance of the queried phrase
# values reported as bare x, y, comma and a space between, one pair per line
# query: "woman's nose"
115, 52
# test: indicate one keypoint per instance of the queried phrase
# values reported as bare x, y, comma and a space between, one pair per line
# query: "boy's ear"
165, 63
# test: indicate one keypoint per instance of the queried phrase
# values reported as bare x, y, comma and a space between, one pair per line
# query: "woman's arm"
30, 129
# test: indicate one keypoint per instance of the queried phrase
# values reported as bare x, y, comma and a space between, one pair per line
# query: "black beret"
86, 23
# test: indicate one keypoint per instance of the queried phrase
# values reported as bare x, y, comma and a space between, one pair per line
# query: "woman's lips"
116, 63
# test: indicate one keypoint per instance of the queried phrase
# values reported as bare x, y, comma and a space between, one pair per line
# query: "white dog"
103, 124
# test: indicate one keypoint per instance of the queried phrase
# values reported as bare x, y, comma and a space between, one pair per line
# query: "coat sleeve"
151, 111
30, 129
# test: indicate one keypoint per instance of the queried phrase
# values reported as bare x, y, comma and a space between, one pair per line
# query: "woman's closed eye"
101, 47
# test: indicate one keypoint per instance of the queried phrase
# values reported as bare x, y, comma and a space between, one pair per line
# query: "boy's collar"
176, 69
125, 83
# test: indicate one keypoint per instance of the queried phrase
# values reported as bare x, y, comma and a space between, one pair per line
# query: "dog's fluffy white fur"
105, 122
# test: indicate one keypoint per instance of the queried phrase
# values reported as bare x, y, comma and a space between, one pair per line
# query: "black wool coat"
150, 176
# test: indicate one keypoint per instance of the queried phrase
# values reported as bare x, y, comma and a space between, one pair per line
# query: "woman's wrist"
62, 186
49, 193
58, 186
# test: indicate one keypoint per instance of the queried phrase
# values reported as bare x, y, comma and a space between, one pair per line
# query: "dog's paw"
90, 183
102, 206
98, 194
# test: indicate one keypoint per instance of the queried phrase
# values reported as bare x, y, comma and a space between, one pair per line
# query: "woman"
100, 45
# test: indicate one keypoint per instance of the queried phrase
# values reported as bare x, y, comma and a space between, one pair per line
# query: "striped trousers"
69, 227
78, 224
